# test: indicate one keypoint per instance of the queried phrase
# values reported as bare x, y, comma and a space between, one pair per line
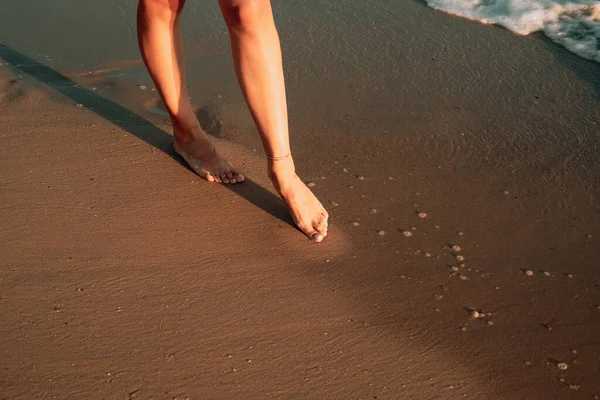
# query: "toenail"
317, 237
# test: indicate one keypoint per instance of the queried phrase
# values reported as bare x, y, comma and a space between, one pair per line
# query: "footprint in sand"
156, 107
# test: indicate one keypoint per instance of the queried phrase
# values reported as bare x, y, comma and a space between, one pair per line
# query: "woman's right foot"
204, 159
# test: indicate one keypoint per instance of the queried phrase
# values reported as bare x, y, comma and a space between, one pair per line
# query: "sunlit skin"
258, 65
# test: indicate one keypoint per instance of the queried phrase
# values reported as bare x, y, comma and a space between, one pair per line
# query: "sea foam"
573, 24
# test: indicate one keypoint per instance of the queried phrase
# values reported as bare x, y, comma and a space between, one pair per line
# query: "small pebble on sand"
460, 258
454, 268
505, 192
350, 187
460, 233
570, 276
355, 223
456, 248
529, 272
422, 215
463, 278
373, 211
413, 228
142, 87
547, 274
427, 255
474, 314
490, 323
407, 233
79, 105
573, 351
381, 232
311, 184
562, 366
463, 328
360, 177
334, 203
548, 327
462, 265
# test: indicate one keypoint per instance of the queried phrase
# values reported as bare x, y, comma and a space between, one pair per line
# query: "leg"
257, 59
159, 36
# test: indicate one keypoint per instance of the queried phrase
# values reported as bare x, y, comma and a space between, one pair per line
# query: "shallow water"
572, 24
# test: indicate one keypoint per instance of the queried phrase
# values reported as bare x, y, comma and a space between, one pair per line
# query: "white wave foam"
573, 24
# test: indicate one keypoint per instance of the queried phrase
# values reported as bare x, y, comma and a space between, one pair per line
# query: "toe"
217, 178
224, 178
239, 177
311, 232
204, 174
208, 177
321, 226
232, 177
317, 237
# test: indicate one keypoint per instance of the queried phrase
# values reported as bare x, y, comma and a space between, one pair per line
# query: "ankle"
186, 134
187, 129
281, 172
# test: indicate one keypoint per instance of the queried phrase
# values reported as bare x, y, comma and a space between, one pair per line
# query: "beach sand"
124, 275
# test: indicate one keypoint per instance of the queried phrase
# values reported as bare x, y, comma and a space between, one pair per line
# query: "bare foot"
204, 159
308, 212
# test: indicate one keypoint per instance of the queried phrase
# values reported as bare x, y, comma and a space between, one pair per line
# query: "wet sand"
459, 164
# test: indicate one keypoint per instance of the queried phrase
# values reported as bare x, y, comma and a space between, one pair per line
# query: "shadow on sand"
134, 124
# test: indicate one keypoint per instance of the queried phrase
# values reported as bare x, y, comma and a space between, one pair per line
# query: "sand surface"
123, 275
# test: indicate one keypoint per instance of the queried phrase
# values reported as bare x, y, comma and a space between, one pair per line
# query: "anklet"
279, 158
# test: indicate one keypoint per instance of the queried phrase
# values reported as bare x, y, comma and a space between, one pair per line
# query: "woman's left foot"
307, 211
